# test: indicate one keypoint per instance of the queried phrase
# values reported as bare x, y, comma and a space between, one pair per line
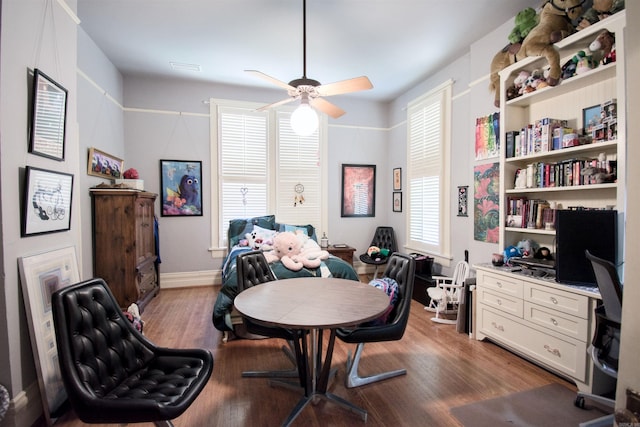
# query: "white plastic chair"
447, 293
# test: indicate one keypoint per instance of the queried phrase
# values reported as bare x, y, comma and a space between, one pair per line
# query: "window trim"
443, 252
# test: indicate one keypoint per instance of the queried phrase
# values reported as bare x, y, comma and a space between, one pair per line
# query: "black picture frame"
397, 201
181, 187
358, 190
463, 197
46, 204
397, 179
591, 117
48, 117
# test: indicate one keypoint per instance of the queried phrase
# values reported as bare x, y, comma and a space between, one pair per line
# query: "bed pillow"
241, 226
307, 230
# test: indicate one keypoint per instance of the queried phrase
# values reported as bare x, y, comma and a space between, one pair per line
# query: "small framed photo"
397, 179
48, 117
463, 196
104, 165
358, 191
46, 207
591, 117
180, 188
397, 201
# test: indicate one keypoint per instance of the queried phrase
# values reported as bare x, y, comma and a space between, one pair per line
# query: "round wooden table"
313, 304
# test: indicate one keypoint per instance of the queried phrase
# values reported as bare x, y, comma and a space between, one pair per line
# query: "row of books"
524, 213
566, 173
539, 137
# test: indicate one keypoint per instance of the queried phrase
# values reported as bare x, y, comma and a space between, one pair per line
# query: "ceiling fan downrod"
304, 81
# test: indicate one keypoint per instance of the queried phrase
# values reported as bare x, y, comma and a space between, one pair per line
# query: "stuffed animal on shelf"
600, 10
524, 21
603, 46
554, 23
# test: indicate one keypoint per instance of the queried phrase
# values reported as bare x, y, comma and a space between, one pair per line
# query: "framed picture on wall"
397, 201
48, 117
46, 207
180, 187
104, 165
358, 190
397, 179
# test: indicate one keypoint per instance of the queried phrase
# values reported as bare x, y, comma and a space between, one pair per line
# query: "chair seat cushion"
390, 287
435, 293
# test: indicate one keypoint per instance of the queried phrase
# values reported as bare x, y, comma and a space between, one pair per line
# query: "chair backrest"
98, 347
609, 286
252, 269
401, 268
385, 238
461, 273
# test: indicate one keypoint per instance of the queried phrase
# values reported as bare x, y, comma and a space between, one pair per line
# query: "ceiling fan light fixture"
304, 120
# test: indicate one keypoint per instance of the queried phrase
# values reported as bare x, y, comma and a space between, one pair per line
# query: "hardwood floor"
444, 369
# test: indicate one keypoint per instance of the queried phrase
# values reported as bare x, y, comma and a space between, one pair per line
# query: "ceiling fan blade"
345, 86
271, 79
326, 107
275, 104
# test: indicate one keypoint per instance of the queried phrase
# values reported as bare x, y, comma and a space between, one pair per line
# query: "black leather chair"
384, 238
252, 270
401, 268
605, 346
111, 372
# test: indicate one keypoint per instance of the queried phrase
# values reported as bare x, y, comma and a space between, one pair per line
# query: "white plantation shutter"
427, 171
298, 163
260, 163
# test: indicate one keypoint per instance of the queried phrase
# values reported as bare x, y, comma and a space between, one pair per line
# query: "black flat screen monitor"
577, 230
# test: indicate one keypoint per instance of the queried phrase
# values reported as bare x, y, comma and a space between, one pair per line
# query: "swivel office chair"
252, 270
111, 372
383, 238
401, 268
605, 346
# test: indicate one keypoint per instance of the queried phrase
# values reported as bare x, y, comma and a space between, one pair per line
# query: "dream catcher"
299, 197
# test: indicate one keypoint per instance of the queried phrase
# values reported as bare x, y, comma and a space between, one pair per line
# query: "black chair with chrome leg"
111, 372
401, 268
385, 239
253, 270
605, 346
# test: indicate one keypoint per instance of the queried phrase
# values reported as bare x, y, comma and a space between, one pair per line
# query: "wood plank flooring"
444, 369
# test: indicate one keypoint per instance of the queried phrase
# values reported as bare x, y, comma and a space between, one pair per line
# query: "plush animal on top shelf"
602, 47
600, 10
555, 23
524, 22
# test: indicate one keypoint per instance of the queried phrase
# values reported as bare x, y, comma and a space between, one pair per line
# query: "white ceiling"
396, 43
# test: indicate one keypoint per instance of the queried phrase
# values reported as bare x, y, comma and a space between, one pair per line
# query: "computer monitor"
578, 230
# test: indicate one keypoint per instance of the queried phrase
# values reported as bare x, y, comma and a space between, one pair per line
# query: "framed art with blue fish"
180, 187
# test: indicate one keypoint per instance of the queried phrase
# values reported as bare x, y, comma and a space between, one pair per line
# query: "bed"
224, 317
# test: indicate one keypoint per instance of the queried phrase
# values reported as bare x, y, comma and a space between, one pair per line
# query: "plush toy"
600, 10
259, 239
520, 81
377, 254
525, 20
602, 47
287, 248
554, 23
133, 315
311, 252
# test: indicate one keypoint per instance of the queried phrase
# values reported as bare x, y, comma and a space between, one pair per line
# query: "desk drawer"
565, 355
506, 303
557, 299
572, 326
505, 285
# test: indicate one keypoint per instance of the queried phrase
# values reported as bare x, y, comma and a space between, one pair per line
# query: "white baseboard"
25, 408
190, 279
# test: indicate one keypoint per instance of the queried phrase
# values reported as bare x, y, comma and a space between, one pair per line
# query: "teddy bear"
554, 23
600, 10
287, 248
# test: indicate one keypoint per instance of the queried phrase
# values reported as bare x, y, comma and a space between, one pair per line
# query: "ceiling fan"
310, 91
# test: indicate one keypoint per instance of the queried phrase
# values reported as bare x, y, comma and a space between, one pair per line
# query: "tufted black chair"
384, 238
252, 270
401, 268
111, 372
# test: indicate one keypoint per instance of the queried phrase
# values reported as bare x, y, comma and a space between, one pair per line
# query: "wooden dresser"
343, 252
124, 250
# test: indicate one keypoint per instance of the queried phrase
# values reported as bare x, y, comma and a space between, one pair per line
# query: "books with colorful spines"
547, 128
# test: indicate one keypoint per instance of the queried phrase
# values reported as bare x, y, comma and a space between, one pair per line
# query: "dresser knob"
498, 327
553, 351
554, 321
553, 300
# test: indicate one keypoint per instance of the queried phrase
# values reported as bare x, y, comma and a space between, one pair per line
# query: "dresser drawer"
572, 326
505, 285
566, 355
146, 278
499, 301
557, 299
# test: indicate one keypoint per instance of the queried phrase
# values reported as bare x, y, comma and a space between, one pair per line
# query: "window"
428, 133
263, 168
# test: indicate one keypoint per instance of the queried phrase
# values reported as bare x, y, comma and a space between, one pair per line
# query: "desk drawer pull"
498, 327
553, 351
499, 284
553, 300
